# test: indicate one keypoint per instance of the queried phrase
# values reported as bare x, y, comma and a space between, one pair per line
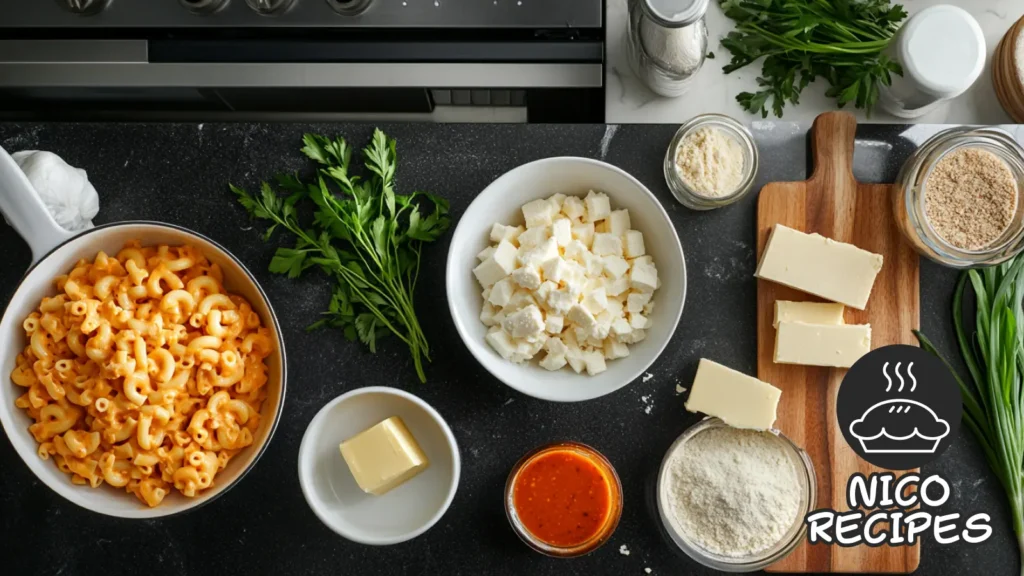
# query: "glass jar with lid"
667, 42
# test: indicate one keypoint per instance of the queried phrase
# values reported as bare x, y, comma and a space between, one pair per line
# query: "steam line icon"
899, 425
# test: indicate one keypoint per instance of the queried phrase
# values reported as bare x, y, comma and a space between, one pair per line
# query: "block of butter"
808, 312
739, 400
821, 266
838, 346
384, 456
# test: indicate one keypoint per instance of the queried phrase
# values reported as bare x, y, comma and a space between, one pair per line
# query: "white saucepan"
54, 252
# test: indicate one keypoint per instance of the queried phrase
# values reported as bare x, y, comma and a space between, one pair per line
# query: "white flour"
710, 162
681, 49
734, 492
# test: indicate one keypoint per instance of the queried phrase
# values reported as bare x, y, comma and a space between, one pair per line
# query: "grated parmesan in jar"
710, 162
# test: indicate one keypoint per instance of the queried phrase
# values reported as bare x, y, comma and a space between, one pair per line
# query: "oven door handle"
124, 64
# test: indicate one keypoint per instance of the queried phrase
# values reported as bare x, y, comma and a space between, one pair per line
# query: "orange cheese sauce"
562, 498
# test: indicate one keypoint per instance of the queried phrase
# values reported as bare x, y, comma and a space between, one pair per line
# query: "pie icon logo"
899, 407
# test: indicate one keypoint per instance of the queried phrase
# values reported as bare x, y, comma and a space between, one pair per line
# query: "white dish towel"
64, 189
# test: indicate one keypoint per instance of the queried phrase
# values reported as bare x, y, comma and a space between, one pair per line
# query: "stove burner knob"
349, 7
204, 6
84, 7
270, 7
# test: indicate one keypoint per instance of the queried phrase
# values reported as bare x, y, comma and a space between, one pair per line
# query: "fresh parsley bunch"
367, 237
801, 40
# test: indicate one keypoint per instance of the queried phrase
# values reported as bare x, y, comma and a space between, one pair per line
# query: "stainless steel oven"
532, 60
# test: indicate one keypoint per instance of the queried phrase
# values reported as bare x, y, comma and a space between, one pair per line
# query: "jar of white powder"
711, 162
667, 42
734, 500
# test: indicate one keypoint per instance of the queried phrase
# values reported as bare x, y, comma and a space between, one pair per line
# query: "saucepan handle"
25, 212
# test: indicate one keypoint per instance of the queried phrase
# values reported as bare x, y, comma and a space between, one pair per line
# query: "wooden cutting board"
833, 204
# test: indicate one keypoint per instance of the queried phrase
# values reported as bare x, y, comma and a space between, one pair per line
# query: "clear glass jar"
793, 537
667, 42
910, 191
688, 196
603, 533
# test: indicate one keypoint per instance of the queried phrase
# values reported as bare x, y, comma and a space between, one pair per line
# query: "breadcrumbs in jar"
970, 198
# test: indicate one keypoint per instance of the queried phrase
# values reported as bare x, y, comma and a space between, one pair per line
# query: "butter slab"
836, 346
828, 313
739, 400
821, 266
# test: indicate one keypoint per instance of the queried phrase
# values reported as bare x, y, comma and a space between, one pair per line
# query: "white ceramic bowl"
501, 202
55, 252
406, 511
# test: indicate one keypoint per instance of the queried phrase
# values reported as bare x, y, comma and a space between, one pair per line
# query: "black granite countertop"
178, 173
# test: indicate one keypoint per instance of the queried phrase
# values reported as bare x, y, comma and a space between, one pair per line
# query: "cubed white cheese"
555, 270
533, 237
499, 317
556, 346
501, 232
526, 350
575, 281
602, 227
649, 307
537, 256
561, 301
618, 222
581, 317
525, 322
593, 264
573, 207
486, 293
498, 265
602, 326
615, 266
501, 292
598, 206
556, 202
528, 277
575, 250
485, 253
584, 233
614, 307
617, 286
553, 324
545, 288
553, 362
561, 231
487, 313
596, 301
538, 213
501, 343
637, 321
607, 245
576, 362
613, 349
594, 361
633, 245
643, 278
636, 301
520, 299
621, 328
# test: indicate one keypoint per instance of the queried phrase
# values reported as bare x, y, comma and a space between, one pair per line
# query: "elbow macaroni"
143, 372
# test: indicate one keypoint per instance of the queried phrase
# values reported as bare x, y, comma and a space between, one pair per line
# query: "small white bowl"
406, 511
502, 202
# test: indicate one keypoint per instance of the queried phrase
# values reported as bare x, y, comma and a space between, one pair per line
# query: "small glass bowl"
794, 536
689, 197
908, 198
615, 503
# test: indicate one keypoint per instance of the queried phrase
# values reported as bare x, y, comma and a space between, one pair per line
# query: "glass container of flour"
712, 480
667, 42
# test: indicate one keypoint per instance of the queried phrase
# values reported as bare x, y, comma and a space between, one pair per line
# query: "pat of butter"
808, 312
820, 345
384, 456
739, 400
821, 266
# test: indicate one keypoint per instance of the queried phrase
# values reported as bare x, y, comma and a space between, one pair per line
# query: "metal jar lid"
674, 13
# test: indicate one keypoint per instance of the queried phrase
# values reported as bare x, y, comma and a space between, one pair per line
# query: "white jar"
942, 51
667, 42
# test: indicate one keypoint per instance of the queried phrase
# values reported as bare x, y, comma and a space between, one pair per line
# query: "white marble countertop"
628, 101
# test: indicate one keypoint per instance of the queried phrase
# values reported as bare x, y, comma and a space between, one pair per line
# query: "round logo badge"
899, 407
